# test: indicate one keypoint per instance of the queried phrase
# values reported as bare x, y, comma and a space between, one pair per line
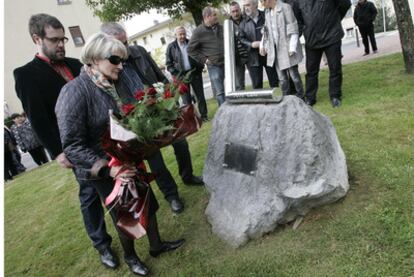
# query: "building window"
77, 36
135, 42
64, 2
145, 40
163, 42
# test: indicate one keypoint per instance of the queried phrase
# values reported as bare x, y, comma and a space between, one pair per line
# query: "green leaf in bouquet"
169, 104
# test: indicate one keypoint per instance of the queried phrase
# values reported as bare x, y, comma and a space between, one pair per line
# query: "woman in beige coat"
280, 42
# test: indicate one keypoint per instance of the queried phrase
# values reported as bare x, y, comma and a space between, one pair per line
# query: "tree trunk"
197, 16
406, 30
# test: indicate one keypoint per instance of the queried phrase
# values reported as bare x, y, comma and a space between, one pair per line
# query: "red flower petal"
127, 108
139, 95
182, 88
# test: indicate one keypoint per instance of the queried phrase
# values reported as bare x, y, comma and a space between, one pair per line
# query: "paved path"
388, 43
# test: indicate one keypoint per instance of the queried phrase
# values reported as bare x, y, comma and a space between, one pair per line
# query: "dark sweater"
207, 43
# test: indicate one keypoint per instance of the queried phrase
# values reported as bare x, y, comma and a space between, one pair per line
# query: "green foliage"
115, 10
8, 122
390, 19
368, 233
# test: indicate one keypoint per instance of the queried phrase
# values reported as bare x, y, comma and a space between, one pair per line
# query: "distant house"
161, 33
19, 48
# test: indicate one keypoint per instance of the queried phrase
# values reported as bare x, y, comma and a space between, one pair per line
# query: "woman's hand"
123, 172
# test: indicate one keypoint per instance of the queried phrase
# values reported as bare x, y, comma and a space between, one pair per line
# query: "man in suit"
38, 84
178, 63
139, 70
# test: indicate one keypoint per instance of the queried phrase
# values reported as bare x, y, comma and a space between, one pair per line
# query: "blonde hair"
100, 46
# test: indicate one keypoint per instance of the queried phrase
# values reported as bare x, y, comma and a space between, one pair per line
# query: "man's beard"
53, 55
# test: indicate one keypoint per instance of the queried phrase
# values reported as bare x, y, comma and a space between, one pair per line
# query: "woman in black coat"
82, 114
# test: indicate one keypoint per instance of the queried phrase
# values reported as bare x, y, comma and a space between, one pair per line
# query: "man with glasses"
38, 84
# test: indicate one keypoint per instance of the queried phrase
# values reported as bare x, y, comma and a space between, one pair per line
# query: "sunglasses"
115, 60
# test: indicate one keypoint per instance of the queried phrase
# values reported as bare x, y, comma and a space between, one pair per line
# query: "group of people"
269, 40
20, 137
67, 103
67, 100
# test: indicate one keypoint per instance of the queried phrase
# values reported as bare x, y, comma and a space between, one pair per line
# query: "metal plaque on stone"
240, 158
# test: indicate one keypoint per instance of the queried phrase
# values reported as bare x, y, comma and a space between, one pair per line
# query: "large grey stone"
300, 165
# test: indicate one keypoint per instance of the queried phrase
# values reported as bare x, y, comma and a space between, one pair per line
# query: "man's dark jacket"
38, 86
320, 21
207, 43
174, 60
364, 14
249, 32
146, 67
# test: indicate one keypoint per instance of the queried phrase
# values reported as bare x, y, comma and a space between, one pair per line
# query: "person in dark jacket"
38, 85
178, 63
26, 139
364, 16
320, 22
241, 53
251, 35
82, 113
206, 46
140, 69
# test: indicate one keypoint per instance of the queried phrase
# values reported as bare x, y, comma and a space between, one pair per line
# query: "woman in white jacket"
280, 42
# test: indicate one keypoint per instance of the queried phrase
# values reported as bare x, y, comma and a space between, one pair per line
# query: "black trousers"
103, 188
313, 61
9, 167
367, 31
39, 155
93, 214
198, 89
256, 74
163, 177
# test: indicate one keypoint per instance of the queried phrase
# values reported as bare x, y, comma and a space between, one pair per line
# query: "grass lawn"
368, 233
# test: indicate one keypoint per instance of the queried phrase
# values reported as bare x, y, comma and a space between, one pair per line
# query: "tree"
115, 10
390, 19
406, 30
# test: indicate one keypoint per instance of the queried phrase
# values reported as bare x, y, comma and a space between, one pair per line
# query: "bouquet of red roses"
155, 120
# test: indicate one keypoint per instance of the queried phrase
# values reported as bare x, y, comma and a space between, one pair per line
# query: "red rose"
139, 95
182, 88
151, 91
167, 94
128, 108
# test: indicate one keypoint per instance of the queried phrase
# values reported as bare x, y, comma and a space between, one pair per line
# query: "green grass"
368, 233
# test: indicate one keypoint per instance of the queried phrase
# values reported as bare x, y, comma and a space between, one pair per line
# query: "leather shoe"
194, 181
336, 102
310, 103
108, 258
136, 266
176, 205
167, 246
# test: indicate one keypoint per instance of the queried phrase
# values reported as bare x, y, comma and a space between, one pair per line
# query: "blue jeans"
216, 73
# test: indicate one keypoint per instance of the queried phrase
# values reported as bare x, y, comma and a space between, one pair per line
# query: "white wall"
19, 48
